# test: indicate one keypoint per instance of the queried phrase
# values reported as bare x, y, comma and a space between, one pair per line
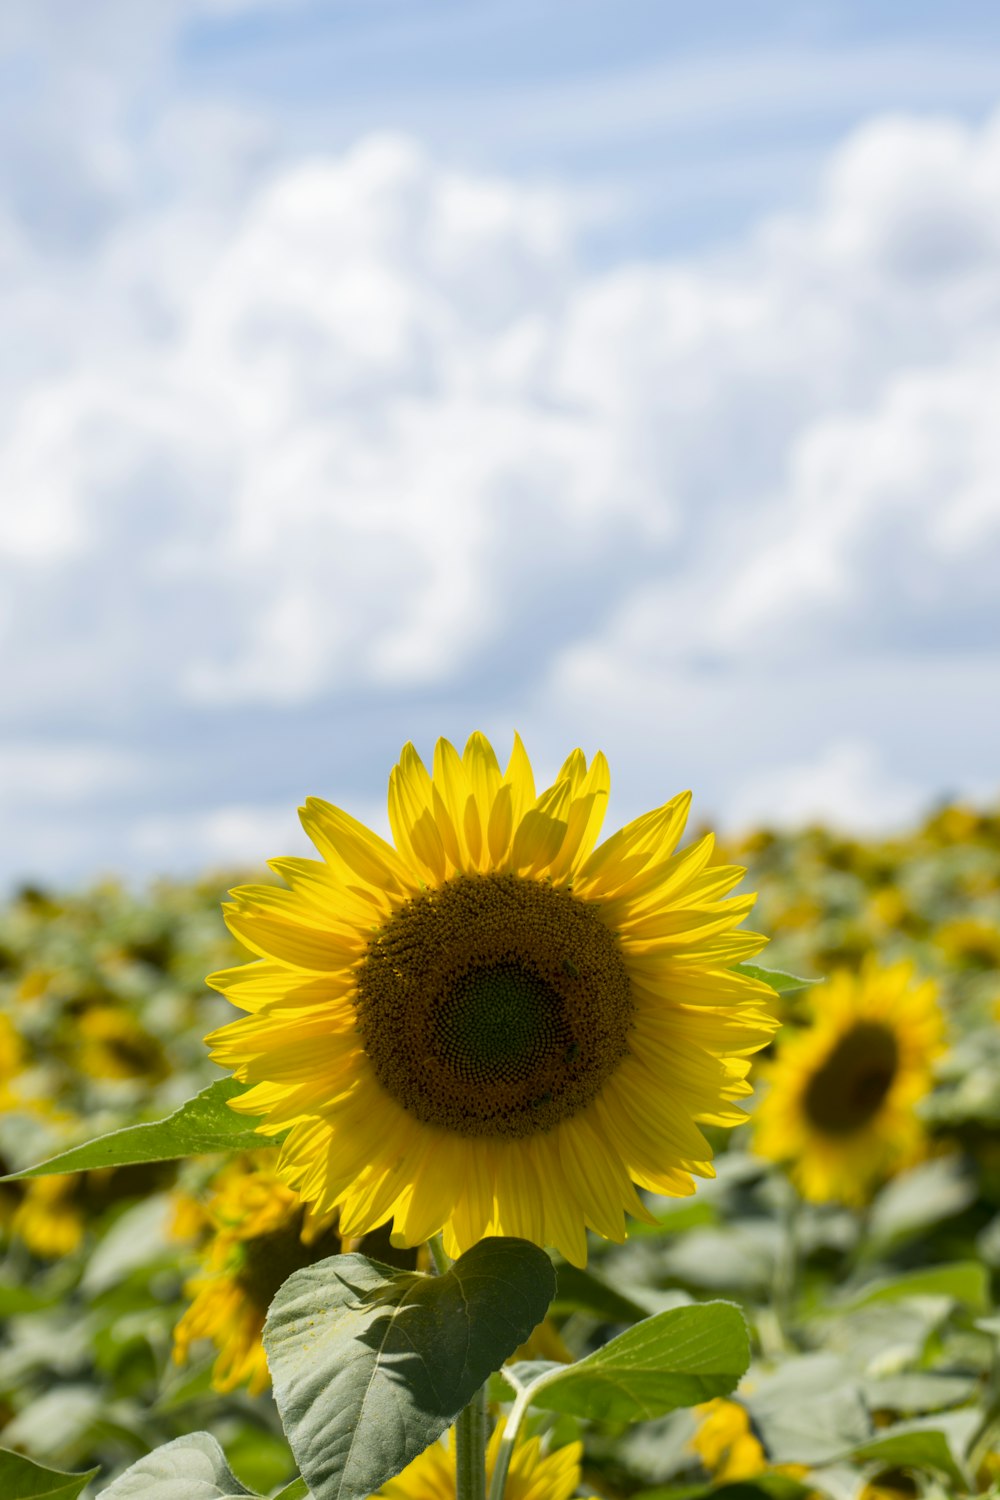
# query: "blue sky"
625, 375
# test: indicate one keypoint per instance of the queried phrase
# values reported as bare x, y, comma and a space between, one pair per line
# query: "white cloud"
222, 837
362, 428
846, 787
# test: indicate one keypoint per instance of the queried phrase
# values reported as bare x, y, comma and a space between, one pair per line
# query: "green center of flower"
848, 1091
499, 1022
494, 1005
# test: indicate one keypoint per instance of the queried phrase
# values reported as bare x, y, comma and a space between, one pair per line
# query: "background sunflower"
840, 1105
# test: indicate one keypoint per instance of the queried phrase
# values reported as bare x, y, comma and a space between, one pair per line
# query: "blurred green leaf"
189, 1468
581, 1291
370, 1365
676, 1358
914, 1445
965, 1281
202, 1124
810, 1411
914, 1391
927, 1195
22, 1479
785, 984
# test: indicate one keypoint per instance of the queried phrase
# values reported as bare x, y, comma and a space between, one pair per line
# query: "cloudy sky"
375, 369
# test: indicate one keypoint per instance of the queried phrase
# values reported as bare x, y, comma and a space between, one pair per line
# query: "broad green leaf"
809, 1411
22, 1479
785, 984
912, 1445
370, 1365
297, 1490
916, 1391
578, 1290
202, 1124
676, 1358
15, 1299
964, 1281
189, 1468
931, 1193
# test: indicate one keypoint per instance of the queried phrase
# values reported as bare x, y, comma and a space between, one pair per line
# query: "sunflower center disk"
494, 1006
850, 1088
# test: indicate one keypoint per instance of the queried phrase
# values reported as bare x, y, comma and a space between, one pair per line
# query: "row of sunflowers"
855, 1219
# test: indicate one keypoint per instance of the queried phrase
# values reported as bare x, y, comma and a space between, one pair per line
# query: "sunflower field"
815, 1319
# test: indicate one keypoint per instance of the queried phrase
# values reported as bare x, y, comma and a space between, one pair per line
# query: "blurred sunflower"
725, 1443
51, 1217
110, 1043
533, 1475
728, 1447
11, 1058
841, 1097
494, 1027
260, 1234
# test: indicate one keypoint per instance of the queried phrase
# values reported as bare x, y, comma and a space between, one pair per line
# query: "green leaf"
581, 1291
964, 1281
912, 1445
202, 1124
297, 1490
918, 1391
22, 1479
676, 1358
929, 1194
810, 1411
785, 984
370, 1365
189, 1468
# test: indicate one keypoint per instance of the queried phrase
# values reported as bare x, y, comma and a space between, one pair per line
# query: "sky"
380, 369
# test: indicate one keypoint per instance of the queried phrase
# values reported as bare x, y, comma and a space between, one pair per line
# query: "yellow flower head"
533, 1475
494, 1027
261, 1235
842, 1095
110, 1043
50, 1217
725, 1443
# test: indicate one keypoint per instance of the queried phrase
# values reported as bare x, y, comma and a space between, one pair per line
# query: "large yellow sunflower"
533, 1475
494, 1027
840, 1107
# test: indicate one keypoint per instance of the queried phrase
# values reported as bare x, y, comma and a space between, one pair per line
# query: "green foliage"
201, 1125
676, 1358
22, 1479
581, 1291
371, 1365
784, 984
873, 1350
191, 1468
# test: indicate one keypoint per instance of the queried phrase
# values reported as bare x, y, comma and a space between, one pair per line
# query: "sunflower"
725, 1442
494, 1027
50, 1218
841, 1103
260, 1234
728, 1447
533, 1475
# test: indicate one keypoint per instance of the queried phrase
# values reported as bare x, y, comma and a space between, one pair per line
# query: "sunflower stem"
470, 1449
439, 1255
510, 1429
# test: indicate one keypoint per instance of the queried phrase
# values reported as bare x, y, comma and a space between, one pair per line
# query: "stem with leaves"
469, 1434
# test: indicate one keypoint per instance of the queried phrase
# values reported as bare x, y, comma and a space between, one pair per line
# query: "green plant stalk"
470, 1449
470, 1431
515, 1417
